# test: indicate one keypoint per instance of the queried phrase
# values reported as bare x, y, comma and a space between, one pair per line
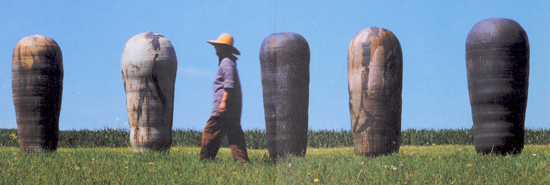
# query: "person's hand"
222, 106
222, 102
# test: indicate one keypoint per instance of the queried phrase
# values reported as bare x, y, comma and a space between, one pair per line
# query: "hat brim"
233, 49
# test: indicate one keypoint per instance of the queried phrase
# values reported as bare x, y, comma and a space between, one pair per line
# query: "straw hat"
227, 40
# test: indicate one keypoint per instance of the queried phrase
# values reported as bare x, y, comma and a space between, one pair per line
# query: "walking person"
225, 118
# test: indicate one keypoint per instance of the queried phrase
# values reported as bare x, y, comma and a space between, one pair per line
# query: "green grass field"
440, 164
426, 156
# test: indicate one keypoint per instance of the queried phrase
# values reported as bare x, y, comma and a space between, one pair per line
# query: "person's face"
220, 49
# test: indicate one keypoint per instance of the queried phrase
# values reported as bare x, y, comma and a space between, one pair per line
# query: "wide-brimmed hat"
225, 39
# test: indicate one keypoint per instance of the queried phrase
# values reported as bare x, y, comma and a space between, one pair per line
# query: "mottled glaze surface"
149, 66
284, 59
37, 84
497, 60
375, 81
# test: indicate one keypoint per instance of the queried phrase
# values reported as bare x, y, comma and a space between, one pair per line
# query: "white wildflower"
534, 155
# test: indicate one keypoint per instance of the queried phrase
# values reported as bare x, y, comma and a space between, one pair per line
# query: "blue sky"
432, 34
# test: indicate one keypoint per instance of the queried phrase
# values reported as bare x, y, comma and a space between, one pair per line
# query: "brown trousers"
216, 129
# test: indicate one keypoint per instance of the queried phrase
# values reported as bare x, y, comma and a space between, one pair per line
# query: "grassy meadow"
425, 157
439, 164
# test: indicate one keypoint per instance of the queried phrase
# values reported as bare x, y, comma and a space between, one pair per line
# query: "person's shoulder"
227, 61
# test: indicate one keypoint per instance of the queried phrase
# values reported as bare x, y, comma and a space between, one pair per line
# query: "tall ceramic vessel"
37, 84
497, 60
375, 81
284, 59
149, 72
